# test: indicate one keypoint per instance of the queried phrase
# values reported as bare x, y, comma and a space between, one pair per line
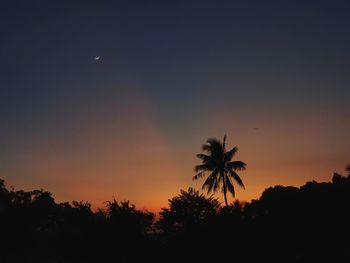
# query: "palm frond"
202, 167
208, 145
237, 165
229, 155
238, 179
230, 186
198, 175
208, 184
214, 147
203, 157
224, 143
211, 183
217, 181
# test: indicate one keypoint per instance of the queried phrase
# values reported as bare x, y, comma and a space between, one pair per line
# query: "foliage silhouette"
286, 224
347, 168
126, 215
222, 170
187, 211
36, 229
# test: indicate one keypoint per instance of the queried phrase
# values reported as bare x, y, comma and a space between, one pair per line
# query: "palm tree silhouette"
218, 163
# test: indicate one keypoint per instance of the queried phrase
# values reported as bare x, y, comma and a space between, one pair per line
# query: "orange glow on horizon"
120, 150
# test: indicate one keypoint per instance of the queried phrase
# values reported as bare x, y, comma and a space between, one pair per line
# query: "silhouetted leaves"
286, 224
220, 167
34, 228
187, 211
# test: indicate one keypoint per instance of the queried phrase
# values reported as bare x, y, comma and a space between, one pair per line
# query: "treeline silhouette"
286, 224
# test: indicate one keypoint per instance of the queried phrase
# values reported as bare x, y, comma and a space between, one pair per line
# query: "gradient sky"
273, 75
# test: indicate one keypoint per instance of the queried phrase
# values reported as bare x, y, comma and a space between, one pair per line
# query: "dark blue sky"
202, 68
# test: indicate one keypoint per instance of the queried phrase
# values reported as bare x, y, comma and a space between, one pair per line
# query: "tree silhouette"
125, 217
222, 170
286, 223
186, 211
347, 168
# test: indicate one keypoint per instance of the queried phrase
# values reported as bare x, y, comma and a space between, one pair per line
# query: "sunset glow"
129, 124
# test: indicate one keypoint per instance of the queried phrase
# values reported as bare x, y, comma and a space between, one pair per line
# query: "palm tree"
222, 170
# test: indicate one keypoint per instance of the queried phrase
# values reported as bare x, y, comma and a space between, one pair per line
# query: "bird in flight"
98, 58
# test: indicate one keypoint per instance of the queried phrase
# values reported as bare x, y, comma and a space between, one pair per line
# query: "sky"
272, 75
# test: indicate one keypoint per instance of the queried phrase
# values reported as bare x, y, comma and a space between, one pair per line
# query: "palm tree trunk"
222, 174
